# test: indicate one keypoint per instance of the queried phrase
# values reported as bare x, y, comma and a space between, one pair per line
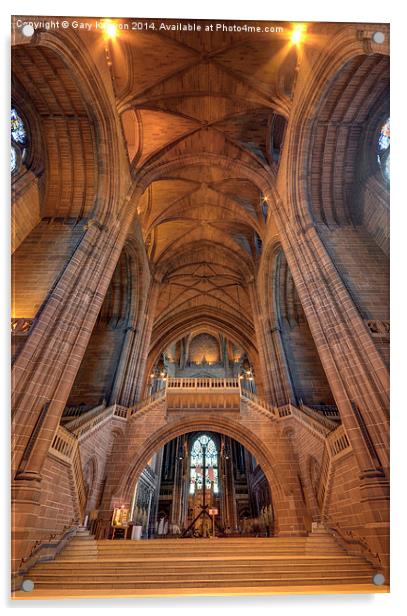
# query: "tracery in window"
13, 160
18, 140
18, 133
383, 149
211, 464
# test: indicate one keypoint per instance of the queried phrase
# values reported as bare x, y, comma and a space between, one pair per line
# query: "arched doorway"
202, 483
149, 432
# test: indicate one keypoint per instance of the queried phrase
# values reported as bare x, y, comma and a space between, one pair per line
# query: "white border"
295, 10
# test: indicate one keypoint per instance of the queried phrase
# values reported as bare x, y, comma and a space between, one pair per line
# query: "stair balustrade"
354, 545
65, 446
336, 446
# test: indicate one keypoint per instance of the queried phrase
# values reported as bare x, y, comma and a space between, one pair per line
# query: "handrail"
336, 446
249, 395
329, 423
50, 546
338, 442
72, 412
156, 396
88, 420
64, 443
65, 446
311, 419
348, 538
120, 411
329, 410
315, 424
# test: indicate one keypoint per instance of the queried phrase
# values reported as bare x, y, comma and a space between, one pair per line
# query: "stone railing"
354, 544
122, 412
337, 445
264, 406
65, 447
147, 402
197, 384
320, 425
71, 412
86, 422
197, 394
324, 482
379, 329
317, 425
328, 410
328, 422
64, 444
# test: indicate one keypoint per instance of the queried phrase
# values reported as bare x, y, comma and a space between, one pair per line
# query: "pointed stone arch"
288, 507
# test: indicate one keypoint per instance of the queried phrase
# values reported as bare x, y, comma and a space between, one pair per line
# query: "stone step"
205, 543
120, 555
139, 548
204, 573
200, 563
172, 558
236, 539
186, 564
202, 553
249, 581
217, 577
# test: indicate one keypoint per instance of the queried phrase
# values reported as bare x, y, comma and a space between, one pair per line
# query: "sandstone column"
45, 370
357, 375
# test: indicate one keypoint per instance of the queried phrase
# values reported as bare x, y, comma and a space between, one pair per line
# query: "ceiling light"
297, 34
110, 29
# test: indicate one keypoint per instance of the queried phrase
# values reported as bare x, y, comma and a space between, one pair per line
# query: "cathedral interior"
200, 305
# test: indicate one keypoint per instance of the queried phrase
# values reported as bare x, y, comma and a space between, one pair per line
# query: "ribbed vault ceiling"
41, 78
193, 95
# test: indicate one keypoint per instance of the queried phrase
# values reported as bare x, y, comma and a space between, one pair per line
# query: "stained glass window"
13, 162
18, 133
211, 464
384, 137
383, 149
18, 140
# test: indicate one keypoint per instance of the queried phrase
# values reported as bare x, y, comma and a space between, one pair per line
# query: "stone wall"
96, 374
365, 271
25, 213
38, 262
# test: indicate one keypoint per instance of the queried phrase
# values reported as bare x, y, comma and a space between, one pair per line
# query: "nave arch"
267, 442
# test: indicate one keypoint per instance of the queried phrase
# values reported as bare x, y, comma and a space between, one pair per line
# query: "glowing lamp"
110, 29
297, 34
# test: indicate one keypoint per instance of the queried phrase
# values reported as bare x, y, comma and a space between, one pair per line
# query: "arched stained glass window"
383, 149
13, 161
18, 133
18, 140
211, 464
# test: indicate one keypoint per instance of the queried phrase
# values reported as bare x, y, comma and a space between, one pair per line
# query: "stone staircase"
87, 567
